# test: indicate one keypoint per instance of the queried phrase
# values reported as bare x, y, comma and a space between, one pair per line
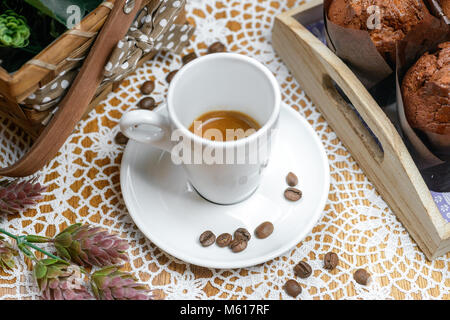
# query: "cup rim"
236, 143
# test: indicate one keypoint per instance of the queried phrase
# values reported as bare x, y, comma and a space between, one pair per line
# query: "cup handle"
147, 127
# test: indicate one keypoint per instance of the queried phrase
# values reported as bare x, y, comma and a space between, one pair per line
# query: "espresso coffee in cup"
226, 91
224, 125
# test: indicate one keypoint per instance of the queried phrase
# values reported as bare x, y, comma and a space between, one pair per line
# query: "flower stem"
21, 240
9, 234
42, 251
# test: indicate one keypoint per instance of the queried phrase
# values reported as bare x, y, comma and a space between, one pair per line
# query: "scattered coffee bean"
292, 194
264, 230
189, 57
238, 245
243, 234
147, 103
171, 75
291, 179
207, 238
330, 261
148, 87
216, 47
121, 138
293, 288
303, 270
224, 240
362, 277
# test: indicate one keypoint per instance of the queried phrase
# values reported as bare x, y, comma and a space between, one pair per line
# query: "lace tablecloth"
84, 187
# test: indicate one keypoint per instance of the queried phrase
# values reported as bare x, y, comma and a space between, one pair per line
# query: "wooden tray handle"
391, 167
75, 103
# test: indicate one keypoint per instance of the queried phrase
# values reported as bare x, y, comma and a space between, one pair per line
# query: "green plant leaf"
52, 272
75, 248
105, 271
36, 239
71, 229
95, 289
39, 270
58, 9
14, 30
64, 239
10, 264
62, 252
48, 262
22, 247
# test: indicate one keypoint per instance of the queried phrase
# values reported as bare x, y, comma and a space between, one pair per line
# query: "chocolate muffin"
397, 18
426, 92
445, 5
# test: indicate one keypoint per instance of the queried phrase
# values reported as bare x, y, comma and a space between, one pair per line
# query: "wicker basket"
64, 55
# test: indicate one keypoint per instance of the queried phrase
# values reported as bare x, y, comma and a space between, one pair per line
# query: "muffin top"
396, 19
426, 92
445, 5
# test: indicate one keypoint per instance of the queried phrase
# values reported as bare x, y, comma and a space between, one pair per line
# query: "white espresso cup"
223, 172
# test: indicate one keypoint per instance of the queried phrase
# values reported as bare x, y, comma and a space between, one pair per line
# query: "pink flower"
111, 284
90, 246
60, 281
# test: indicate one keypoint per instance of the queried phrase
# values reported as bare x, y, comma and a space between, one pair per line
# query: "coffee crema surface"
224, 125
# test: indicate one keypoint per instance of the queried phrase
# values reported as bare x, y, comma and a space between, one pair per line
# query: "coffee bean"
224, 240
148, 87
121, 138
291, 179
147, 103
264, 230
303, 270
171, 75
293, 288
292, 194
238, 245
216, 47
189, 57
362, 277
207, 238
330, 261
243, 234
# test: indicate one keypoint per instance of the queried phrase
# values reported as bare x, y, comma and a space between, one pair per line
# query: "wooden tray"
390, 167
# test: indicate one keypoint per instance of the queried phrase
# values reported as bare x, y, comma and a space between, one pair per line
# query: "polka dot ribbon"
154, 28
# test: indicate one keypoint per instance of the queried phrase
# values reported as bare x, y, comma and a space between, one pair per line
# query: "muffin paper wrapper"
356, 48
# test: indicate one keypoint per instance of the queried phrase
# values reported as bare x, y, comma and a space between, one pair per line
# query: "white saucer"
172, 215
